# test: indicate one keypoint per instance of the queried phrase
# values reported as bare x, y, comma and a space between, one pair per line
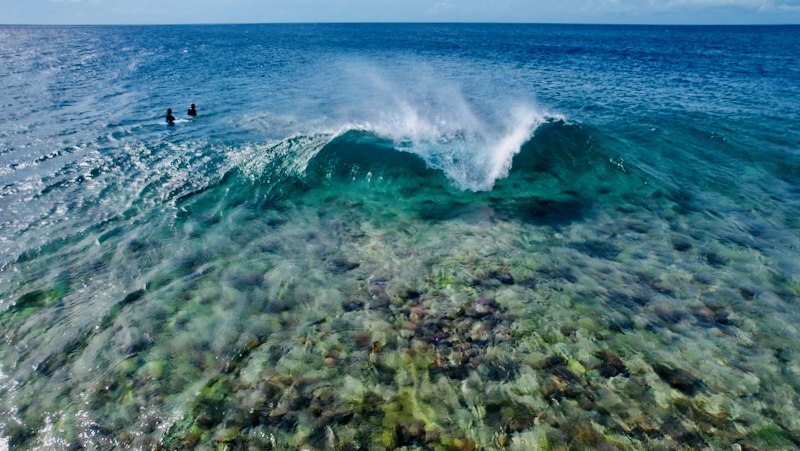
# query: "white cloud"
762, 5
652, 6
442, 6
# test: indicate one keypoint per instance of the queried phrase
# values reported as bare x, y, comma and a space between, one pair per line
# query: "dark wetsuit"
170, 119
192, 112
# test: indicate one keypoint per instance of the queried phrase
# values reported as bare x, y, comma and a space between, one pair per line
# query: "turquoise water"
447, 237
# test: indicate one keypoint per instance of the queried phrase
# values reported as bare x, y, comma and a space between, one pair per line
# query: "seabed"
587, 310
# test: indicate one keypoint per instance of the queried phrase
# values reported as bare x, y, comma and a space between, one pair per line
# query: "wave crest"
472, 158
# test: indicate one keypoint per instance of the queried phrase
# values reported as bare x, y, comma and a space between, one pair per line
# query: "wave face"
399, 236
472, 153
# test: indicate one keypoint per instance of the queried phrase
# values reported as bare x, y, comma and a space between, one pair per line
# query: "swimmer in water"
170, 117
192, 111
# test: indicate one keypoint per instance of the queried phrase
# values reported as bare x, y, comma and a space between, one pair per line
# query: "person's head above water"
192, 106
169, 110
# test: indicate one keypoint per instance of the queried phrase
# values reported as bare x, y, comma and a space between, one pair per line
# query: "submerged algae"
329, 322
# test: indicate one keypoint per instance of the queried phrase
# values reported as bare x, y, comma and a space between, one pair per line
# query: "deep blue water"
383, 235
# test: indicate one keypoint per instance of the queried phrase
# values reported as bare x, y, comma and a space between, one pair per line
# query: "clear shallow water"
377, 236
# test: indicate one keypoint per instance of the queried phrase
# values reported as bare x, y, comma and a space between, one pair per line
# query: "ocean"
413, 236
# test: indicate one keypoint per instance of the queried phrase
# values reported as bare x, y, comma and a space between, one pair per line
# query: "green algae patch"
576, 367
443, 279
209, 406
773, 436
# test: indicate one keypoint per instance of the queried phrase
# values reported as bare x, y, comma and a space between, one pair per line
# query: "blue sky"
266, 11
